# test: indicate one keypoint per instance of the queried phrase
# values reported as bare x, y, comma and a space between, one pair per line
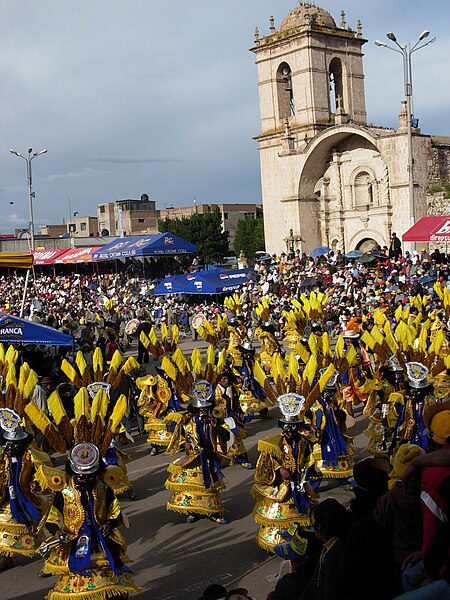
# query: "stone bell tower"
310, 78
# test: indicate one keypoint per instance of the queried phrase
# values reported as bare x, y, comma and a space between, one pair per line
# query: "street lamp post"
406, 50
28, 160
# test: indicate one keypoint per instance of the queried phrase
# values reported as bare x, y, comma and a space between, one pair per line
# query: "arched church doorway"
366, 245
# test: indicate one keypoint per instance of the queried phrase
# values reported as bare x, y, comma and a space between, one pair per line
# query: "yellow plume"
377, 335
37, 417
68, 370
144, 339
56, 407
11, 376
169, 368
180, 360
325, 378
164, 332
326, 344
438, 289
368, 340
313, 344
339, 348
97, 360
297, 304
221, 361
302, 352
118, 413
379, 317
10, 354
210, 357
174, 333
351, 355
99, 405
390, 340
81, 404
310, 369
116, 361
80, 362
130, 364
23, 376
292, 366
153, 337
196, 360
2, 353
30, 384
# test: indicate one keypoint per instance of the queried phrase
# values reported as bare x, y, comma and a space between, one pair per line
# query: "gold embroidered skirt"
15, 537
274, 513
189, 495
101, 581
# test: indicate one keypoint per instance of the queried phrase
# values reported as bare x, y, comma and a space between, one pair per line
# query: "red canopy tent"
429, 229
76, 255
47, 257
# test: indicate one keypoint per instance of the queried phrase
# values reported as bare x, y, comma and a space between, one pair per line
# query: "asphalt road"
173, 559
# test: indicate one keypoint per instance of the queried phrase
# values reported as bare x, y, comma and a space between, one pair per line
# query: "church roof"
307, 14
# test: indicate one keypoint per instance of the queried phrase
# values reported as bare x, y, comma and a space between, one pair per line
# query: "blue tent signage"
145, 245
14, 330
203, 282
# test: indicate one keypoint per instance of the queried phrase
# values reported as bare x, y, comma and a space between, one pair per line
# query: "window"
102, 209
362, 190
285, 92
336, 89
82, 226
225, 216
141, 220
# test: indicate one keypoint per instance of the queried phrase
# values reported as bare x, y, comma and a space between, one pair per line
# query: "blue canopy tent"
171, 285
158, 244
14, 330
204, 282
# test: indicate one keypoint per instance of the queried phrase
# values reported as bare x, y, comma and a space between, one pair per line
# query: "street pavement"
177, 560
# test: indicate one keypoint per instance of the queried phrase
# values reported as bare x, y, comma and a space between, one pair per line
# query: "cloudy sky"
160, 96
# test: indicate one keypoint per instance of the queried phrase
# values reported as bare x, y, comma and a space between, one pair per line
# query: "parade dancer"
286, 476
196, 480
21, 509
252, 398
333, 450
418, 398
227, 408
86, 550
391, 399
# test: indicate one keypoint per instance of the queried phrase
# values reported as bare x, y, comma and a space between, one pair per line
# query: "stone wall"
440, 164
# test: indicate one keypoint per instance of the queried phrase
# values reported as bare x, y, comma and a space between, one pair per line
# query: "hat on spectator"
403, 457
437, 420
303, 545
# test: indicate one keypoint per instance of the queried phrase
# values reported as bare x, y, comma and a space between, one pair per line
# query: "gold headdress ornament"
183, 367
90, 424
207, 332
263, 310
233, 304
169, 338
117, 370
290, 380
211, 334
151, 343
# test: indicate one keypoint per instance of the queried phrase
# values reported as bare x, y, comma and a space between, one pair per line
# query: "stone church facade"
329, 179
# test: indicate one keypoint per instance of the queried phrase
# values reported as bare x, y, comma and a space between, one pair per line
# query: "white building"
326, 175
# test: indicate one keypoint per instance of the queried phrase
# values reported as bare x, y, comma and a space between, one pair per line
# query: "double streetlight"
406, 50
28, 160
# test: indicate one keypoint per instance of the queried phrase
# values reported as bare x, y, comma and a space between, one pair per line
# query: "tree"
249, 236
203, 230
